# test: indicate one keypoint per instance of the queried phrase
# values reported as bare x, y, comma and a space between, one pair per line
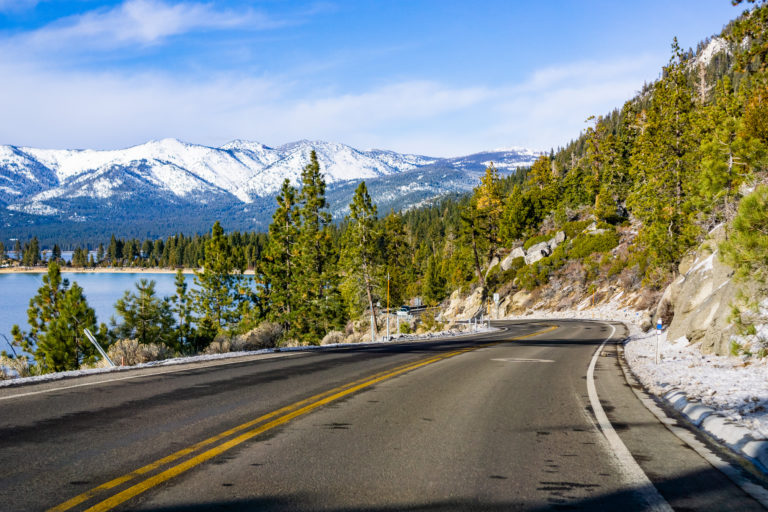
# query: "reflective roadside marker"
658, 326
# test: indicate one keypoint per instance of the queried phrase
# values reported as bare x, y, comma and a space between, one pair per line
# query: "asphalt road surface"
498, 421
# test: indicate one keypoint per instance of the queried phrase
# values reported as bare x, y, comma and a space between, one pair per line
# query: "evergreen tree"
31, 253
397, 257
361, 254
182, 308
56, 253
145, 317
58, 315
472, 234
663, 165
3, 255
79, 257
278, 269
317, 280
434, 282
489, 202
100, 254
17, 250
115, 251
217, 298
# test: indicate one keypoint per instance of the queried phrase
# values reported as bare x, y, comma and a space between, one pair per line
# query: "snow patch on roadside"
735, 387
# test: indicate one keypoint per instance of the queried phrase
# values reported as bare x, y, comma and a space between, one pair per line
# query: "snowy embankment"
725, 396
230, 355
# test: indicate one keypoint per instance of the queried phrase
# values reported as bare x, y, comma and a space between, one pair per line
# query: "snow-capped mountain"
181, 186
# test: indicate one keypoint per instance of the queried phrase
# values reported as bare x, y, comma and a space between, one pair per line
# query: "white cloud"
134, 22
44, 107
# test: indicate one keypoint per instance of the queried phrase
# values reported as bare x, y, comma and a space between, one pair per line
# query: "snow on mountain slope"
167, 186
241, 168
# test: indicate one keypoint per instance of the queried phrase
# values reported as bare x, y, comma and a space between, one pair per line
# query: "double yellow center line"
246, 431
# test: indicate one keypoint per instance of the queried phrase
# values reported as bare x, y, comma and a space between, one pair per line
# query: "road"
496, 421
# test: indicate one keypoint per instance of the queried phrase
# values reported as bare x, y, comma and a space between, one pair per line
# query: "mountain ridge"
64, 188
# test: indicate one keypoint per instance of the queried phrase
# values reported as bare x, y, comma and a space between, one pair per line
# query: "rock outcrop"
699, 301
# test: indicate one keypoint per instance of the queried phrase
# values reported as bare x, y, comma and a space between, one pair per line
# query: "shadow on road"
690, 491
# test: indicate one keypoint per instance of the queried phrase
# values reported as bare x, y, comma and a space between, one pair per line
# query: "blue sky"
441, 78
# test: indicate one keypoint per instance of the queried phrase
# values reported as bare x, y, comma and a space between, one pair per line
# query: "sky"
439, 78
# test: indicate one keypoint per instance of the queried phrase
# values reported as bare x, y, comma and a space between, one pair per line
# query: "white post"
397, 324
387, 306
658, 332
373, 337
92, 339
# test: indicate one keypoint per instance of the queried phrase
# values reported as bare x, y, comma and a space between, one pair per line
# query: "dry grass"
333, 337
12, 368
130, 352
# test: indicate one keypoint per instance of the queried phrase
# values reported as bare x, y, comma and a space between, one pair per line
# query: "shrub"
333, 338
405, 328
584, 245
573, 229
130, 352
747, 248
13, 367
218, 346
266, 335
535, 240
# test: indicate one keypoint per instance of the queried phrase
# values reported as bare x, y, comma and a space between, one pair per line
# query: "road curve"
499, 421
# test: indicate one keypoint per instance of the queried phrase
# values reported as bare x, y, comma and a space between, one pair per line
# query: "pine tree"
726, 154
217, 297
489, 201
32, 253
397, 256
434, 282
3, 255
182, 309
145, 317
79, 257
17, 250
278, 268
317, 279
56, 253
58, 315
472, 234
361, 254
663, 165
115, 251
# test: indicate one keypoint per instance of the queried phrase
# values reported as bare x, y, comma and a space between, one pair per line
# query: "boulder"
536, 252
506, 263
557, 239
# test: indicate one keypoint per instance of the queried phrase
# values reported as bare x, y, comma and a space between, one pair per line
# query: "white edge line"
628, 464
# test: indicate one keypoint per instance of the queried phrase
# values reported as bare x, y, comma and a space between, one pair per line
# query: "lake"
101, 290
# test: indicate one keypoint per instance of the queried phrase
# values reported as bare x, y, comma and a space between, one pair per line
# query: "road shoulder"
682, 476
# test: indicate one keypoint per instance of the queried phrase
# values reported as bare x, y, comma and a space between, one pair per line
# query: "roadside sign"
496, 298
